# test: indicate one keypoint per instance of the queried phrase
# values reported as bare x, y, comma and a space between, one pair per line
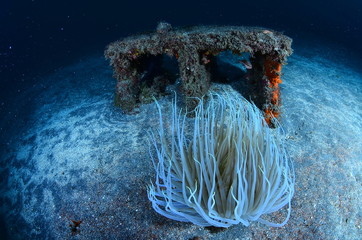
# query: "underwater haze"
75, 166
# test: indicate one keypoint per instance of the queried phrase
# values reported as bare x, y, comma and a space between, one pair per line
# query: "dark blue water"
39, 35
39, 38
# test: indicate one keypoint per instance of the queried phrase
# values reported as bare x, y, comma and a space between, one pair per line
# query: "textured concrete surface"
137, 62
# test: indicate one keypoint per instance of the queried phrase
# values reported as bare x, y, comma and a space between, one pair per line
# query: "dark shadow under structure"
137, 62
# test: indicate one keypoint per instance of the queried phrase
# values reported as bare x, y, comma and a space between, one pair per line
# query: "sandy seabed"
80, 158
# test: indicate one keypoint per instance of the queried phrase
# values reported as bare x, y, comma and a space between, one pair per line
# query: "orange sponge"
272, 70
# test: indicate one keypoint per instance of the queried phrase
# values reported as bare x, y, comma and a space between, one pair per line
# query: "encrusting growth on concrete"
137, 62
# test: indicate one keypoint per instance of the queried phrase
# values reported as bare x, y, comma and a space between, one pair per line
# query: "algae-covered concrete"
138, 57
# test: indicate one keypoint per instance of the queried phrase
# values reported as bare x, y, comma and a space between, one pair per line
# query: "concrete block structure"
137, 62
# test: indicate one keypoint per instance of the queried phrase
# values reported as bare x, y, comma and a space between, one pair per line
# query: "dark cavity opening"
155, 72
232, 68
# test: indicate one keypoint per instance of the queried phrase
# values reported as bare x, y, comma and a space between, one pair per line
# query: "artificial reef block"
137, 62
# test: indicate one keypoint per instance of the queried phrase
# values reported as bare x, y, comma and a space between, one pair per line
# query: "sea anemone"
231, 169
